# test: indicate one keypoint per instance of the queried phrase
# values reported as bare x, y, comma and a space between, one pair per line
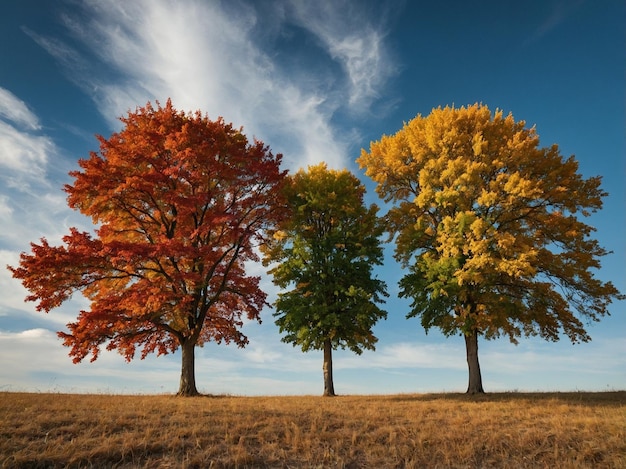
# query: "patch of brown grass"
562, 430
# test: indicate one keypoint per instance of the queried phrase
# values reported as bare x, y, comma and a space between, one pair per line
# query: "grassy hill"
509, 430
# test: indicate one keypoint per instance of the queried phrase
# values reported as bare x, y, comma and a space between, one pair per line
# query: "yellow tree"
489, 225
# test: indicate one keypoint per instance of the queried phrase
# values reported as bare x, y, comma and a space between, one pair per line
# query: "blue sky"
316, 81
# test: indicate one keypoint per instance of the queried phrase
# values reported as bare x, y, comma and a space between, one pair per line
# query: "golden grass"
562, 430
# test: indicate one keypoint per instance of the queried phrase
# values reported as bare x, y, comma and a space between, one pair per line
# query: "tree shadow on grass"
600, 399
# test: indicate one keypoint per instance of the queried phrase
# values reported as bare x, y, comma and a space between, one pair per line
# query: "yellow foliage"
483, 209
279, 235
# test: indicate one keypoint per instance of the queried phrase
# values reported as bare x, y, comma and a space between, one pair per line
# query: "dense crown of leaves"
326, 250
488, 224
180, 202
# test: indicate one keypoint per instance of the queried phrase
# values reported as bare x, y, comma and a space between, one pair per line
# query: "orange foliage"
180, 202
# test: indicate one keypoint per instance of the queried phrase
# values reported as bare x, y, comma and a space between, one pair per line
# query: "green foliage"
326, 251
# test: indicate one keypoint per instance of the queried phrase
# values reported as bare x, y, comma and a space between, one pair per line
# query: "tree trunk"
188, 370
329, 387
475, 385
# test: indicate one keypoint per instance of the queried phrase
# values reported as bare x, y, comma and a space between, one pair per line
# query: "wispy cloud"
355, 40
15, 110
561, 10
13, 293
23, 151
209, 57
50, 369
31, 204
219, 369
405, 355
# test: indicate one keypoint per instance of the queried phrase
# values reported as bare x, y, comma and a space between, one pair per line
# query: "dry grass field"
511, 430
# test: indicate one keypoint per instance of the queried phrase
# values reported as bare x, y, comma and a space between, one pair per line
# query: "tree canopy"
180, 203
325, 251
490, 226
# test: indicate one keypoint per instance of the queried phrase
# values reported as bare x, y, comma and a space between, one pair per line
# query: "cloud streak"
352, 40
23, 152
561, 10
209, 57
15, 110
32, 205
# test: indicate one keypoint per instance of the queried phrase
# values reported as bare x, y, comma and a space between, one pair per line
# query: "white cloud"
351, 39
268, 367
35, 347
30, 334
5, 209
261, 355
34, 359
12, 293
32, 206
405, 355
15, 110
210, 57
13, 304
537, 356
24, 153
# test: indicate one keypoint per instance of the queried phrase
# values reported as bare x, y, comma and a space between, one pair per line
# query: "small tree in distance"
488, 224
326, 250
181, 202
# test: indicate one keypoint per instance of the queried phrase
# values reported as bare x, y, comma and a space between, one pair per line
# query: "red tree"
180, 202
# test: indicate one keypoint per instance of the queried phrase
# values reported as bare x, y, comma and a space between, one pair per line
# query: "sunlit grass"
560, 430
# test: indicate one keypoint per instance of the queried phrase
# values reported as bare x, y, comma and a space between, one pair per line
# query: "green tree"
488, 224
326, 250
